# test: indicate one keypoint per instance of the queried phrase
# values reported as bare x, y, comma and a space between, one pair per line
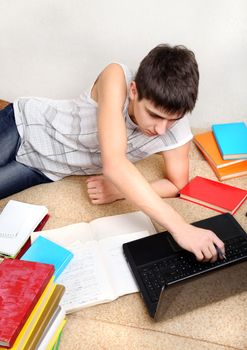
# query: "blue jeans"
14, 176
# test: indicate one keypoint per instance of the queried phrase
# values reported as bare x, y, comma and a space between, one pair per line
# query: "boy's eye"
155, 116
171, 121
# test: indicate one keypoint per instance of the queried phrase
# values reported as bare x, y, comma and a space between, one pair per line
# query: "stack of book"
30, 313
17, 221
225, 149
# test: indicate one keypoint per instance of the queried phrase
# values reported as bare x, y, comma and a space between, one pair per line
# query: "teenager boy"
122, 118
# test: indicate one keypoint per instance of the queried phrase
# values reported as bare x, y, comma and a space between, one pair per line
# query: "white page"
90, 279
21, 217
98, 272
9, 226
116, 265
85, 279
99, 228
68, 234
122, 224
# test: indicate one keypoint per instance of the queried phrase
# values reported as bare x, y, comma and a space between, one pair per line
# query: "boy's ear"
133, 90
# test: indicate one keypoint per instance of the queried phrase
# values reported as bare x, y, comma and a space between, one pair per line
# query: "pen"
220, 253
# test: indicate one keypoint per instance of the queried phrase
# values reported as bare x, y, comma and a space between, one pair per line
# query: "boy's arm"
111, 94
176, 163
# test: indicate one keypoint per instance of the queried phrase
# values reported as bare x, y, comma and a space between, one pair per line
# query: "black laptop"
172, 281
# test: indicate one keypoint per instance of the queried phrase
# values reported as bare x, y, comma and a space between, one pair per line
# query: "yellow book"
47, 315
28, 327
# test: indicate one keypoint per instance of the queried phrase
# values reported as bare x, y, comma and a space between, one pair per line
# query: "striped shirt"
60, 137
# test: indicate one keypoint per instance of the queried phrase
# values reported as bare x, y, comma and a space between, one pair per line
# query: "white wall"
55, 48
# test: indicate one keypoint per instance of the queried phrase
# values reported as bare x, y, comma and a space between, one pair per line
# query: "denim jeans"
14, 176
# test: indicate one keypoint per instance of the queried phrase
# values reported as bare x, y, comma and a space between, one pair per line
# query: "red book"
42, 223
27, 245
214, 195
21, 285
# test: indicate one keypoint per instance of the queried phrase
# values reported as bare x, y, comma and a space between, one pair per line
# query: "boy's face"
152, 121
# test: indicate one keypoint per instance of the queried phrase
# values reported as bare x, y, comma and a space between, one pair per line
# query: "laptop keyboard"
181, 266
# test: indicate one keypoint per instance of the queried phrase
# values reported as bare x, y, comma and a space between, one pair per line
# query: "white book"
54, 326
98, 272
17, 221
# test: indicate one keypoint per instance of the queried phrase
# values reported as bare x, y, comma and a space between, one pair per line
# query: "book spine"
206, 206
42, 223
239, 204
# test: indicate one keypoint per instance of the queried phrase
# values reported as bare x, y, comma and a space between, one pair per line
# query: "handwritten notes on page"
98, 272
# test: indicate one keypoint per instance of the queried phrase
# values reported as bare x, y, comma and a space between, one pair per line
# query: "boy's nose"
160, 127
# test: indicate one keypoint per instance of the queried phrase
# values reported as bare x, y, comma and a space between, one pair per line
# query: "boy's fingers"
91, 185
220, 246
93, 195
214, 253
199, 255
90, 179
92, 190
207, 253
93, 178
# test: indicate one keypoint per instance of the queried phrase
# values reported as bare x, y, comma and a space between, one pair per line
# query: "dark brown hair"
168, 77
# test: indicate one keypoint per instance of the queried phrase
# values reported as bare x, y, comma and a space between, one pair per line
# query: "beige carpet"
124, 323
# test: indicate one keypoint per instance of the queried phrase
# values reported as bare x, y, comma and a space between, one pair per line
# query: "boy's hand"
102, 191
200, 242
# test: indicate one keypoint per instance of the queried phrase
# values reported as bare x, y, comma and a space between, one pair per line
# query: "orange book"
231, 171
209, 148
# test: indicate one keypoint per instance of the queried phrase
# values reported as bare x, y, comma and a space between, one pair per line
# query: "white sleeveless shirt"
60, 137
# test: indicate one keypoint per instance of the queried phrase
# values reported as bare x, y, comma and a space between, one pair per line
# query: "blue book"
45, 251
231, 139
